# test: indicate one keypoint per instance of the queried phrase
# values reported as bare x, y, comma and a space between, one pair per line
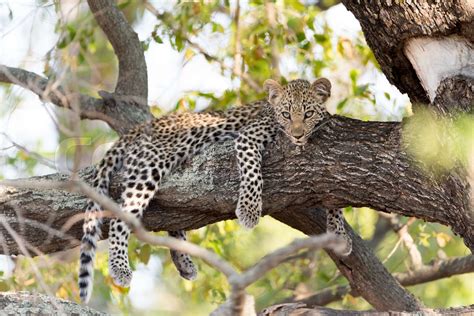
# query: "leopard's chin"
299, 142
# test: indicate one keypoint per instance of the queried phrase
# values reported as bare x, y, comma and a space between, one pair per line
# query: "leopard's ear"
322, 87
275, 91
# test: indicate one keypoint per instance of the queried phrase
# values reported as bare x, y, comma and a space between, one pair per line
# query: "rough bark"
24, 303
90, 107
132, 77
300, 309
129, 102
455, 91
387, 25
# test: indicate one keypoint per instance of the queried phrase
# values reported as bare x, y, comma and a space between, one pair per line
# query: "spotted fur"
154, 149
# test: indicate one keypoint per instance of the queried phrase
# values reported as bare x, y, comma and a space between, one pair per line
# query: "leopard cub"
154, 149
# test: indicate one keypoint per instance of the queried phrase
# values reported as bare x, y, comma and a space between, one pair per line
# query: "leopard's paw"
184, 265
248, 214
122, 276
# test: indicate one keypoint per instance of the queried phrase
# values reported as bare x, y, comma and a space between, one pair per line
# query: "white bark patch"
435, 59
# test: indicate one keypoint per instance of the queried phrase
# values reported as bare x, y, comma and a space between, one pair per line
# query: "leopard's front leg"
249, 146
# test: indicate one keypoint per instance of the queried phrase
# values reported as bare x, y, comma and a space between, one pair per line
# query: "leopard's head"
299, 106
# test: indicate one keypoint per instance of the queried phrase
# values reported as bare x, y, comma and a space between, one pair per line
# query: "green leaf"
123, 5
4, 286
342, 104
146, 44
361, 90
310, 23
294, 24
318, 66
71, 32
297, 5
354, 74
216, 27
321, 38
145, 253
179, 43
157, 38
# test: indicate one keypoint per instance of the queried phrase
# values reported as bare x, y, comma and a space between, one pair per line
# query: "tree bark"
132, 76
389, 26
24, 303
301, 309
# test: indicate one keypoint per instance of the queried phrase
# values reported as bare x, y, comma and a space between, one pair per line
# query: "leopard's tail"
93, 220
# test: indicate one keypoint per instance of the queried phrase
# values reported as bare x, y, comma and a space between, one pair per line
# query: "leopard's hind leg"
335, 223
182, 261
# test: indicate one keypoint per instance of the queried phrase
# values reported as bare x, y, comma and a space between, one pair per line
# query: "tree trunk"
393, 29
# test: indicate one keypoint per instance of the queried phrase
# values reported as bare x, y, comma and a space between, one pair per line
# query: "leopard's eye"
308, 114
286, 115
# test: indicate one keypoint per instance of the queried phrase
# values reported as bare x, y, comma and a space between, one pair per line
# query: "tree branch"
437, 270
132, 78
120, 112
301, 309
364, 271
51, 91
238, 281
124, 108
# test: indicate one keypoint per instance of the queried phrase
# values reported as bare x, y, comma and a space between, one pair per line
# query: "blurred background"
212, 55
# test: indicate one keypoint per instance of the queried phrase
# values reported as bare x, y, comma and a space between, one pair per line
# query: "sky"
29, 35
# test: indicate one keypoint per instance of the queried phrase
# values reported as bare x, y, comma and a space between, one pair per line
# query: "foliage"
441, 144
304, 45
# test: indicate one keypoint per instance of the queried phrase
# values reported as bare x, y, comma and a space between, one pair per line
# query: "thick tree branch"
132, 78
128, 104
117, 111
301, 309
238, 281
437, 270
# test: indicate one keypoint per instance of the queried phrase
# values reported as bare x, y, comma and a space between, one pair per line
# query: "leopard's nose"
297, 131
